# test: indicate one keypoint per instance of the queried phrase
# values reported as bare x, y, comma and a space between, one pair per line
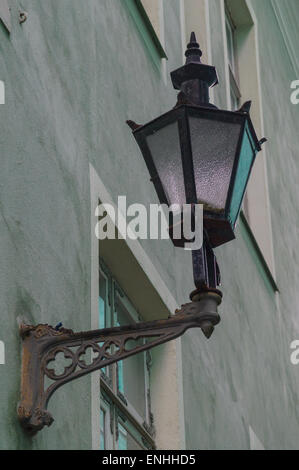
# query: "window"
103, 428
125, 420
5, 14
148, 15
152, 8
240, 26
235, 93
139, 278
230, 36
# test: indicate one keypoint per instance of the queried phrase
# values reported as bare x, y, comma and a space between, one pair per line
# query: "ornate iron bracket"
42, 343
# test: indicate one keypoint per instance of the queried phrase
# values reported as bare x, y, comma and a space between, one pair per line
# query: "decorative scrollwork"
42, 343
51, 357
82, 351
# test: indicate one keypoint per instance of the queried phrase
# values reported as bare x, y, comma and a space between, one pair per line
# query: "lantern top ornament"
195, 78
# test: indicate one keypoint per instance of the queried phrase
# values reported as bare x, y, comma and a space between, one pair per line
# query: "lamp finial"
193, 52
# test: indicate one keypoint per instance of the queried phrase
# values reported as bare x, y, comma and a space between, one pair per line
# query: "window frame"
153, 43
109, 378
153, 33
115, 407
233, 67
247, 42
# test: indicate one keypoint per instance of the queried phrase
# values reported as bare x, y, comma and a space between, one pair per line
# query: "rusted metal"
42, 343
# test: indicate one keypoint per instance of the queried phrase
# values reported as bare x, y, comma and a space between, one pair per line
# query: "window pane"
122, 438
230, 44
234, 100
102, 302
102, 429
126, 440
131, 374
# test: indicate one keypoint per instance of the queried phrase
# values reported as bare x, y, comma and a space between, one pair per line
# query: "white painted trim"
258, 68
255, 443
98, 191
5, 14
162, 40
226, 61
260, 104
209, 44
138, 252
181, 393
183, 28
94, 297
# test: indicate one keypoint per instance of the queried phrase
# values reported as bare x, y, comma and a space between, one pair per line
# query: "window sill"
258, 252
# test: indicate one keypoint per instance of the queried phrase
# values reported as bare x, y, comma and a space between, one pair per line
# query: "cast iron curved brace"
42, 343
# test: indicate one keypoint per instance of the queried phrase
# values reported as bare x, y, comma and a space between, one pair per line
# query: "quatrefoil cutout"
88, 355
64, 363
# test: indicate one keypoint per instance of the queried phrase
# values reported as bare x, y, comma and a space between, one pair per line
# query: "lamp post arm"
41, 344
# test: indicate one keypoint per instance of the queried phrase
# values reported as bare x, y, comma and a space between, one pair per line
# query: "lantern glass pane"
164, 145
247, 155
214, 146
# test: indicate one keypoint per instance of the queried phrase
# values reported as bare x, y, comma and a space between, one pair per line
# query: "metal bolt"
23, 15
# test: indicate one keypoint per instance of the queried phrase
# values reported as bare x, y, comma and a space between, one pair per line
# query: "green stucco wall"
243, 376
74, 72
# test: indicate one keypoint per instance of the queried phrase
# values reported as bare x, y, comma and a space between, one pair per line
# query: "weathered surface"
74, 73
243, 376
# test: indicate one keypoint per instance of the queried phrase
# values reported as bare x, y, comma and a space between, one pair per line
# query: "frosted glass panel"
247, 155
214, 145
166, 153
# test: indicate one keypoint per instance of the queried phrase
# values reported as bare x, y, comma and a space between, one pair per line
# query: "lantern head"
199, 154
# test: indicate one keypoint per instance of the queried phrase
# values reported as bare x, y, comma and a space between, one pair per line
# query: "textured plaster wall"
243, 376
74, 72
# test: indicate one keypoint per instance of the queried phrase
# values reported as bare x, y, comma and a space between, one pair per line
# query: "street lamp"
199, 154
195, 154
